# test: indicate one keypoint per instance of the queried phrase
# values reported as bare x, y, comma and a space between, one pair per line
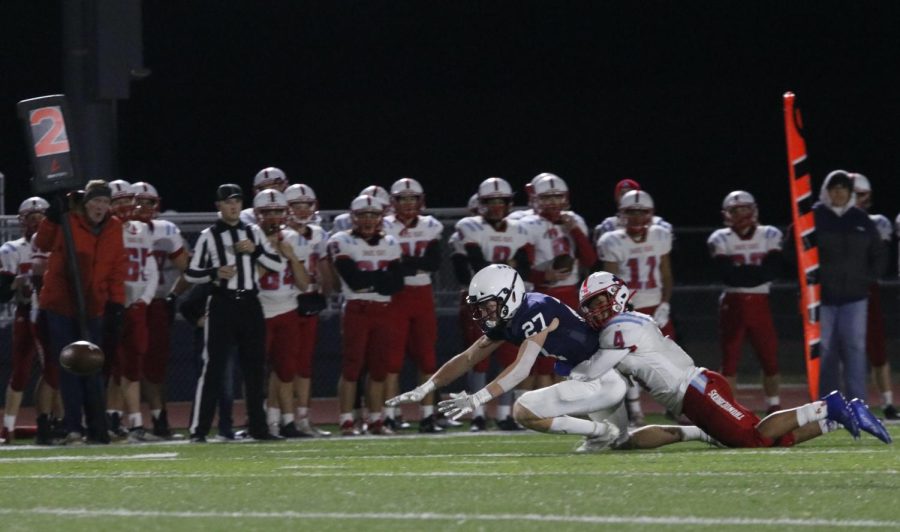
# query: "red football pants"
747, 315
415, 329
367, 339
133, 347
283, 344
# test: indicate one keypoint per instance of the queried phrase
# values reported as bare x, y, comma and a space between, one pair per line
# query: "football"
81, 358
563, 262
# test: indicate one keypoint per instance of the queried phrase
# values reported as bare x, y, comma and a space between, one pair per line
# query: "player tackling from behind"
632, 344
748, 257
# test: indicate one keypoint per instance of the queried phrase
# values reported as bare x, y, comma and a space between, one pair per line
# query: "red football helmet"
551, 196
624, 186
146, 201
31, 212
366, 213
739, 211
407, 187
495, 197
270, 177
270, 208
636, 212
602, 297
122, 199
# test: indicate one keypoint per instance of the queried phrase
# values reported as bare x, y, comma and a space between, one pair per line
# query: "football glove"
661, 315
413, 396
462, 403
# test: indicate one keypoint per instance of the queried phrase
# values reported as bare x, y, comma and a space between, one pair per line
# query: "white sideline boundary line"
91, 458
460, 517
285, 473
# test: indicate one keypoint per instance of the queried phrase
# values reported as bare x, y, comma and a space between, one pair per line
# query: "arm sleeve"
585, 252
390, 281
46, 234
201, 269
430, 261
523, 262
476, 257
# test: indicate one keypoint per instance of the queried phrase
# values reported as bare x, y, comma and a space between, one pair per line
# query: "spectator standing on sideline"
748, 257
851, 258
98, 242
227, 255
876, 347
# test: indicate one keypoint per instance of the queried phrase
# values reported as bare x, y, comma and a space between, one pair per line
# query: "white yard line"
688, 521
91, 458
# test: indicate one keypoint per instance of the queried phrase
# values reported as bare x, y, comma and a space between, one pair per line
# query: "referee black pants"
232, 323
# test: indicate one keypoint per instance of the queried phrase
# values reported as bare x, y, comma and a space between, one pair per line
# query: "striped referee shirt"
215, 248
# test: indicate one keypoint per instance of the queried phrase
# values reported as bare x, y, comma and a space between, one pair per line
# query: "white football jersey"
414, 240
611, 223
550, 240
310, 248
726, 243
277, 291
656, 362
368, 257
142, 275
498, 247
518, 215
248, 216
638, 262
16, 259
341, 222
883, 225
167, 244
454, 242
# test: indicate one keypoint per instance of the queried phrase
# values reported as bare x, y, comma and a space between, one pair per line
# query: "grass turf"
490, 481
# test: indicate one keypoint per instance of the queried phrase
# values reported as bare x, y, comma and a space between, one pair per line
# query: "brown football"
81, 358
563, 262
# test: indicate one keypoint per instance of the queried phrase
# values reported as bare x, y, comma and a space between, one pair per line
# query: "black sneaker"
508, 424
57, 428
198, 438
289, 430
390, 423
44, 435
428, 425
161, 426
266, 436
401, 424
890, 413
116, 430
478, 424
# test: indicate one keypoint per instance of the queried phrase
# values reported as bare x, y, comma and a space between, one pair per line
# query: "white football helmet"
122, 198
380, 194
32, 205
529, 189
472, 205
501, 284
494, 188
406, 187
617, 297
863, 189
270, 177
366, 213
146, 201
304, 206
636, 211
270, 208
742, 221
547, 193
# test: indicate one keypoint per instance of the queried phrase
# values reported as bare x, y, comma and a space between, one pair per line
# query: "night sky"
685, 97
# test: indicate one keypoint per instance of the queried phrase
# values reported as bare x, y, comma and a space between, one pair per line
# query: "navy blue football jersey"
571, 343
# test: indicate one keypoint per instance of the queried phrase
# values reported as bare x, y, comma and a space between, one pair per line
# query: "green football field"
456, 481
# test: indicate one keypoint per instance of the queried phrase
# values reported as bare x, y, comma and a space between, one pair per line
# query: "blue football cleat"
867, 421
839, 410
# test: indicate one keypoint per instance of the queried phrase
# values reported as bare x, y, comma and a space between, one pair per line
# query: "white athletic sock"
887, 398
389, 412
155, 413
692, 433
9, 422
347, 416
302, 412
773, 400
576, 425
427, 411
135, 420
273, 415
503, 411
814, 411
287, 419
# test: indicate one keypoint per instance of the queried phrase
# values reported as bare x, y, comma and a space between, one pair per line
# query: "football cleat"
890, 413
478, 424
139, 435
307, 430
508, 424
199, 438
349, 429
161, 426
378, 428
429, 425
593, 444
839, 411
867, 421
266, 436
72, 439
290, 430
445, 422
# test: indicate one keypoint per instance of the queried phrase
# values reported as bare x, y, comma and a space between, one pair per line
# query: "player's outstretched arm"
449, 372
461, 403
